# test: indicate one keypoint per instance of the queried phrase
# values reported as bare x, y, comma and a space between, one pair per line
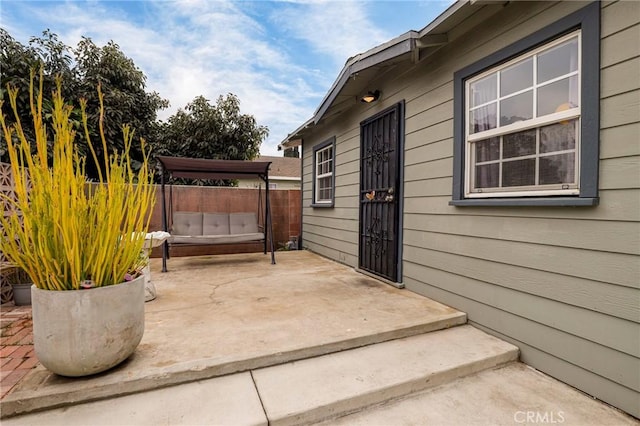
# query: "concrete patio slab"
228, 400
314, 389
217, 315
512, 395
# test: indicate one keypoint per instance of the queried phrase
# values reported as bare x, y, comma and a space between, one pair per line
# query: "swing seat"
214, 228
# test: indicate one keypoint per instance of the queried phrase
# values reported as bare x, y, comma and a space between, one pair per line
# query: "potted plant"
21, 285
80, 243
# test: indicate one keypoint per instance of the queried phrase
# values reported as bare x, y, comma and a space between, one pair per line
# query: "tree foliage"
80, 71
125, 98
203, 130
200, 130
18, 61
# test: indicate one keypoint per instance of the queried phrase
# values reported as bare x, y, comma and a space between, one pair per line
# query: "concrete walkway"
459, 376
233, 340
217, 315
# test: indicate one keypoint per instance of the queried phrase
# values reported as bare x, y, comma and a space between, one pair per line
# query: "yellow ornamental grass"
72, 233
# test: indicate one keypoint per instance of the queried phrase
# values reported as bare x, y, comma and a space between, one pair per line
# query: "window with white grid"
323, 174
523, 132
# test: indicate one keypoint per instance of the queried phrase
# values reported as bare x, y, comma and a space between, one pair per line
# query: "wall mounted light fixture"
370, 97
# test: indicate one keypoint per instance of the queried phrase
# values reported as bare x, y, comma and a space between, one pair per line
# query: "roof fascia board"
430, 40
405, 43
451, 10
389, 50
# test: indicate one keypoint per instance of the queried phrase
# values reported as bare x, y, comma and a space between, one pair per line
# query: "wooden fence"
285, 214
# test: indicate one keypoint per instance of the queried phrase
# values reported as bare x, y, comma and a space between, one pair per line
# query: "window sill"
322, 205
526, 202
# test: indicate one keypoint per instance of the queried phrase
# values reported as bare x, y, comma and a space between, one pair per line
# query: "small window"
273, 185
527, 117
323, 174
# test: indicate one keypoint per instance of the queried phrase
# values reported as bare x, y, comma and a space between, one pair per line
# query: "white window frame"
533, 123
317, 163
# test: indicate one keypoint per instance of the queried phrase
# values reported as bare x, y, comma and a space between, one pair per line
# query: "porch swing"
201, 228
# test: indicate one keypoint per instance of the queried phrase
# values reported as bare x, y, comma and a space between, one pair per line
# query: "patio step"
330, 386
301, 392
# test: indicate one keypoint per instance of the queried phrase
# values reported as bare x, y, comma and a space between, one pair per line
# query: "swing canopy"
201, 168
241, 226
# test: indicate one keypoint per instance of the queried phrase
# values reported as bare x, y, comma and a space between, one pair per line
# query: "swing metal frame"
199, 168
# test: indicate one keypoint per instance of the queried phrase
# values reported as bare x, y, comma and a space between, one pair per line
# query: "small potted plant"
21, 285
80, 243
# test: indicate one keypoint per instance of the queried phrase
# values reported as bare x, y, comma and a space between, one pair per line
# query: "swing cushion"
187, 223
214, 228
215, 224
243, 223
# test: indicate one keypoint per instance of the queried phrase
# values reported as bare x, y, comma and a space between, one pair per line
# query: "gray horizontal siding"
577, 324
618, 141
616, 205
613, 236
539, 348
614, 300
561, 283
614, 268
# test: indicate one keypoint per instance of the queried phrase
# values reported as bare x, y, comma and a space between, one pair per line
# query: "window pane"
558, 137
557, 169
558, 61
519, 144
558, 96
519, 173
324, 190
487, 150
483, 91
517, 77
516, 108
483, 118
487, 175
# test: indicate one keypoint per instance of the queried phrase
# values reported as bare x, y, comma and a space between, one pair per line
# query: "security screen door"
379, 192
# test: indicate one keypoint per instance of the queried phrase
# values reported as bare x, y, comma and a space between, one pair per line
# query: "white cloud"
337, 29
199, 47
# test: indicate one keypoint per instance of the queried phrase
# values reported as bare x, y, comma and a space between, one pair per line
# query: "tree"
217, 131
122, 85
125, 98
45, 53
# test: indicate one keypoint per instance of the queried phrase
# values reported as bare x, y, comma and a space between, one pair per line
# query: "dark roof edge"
391, 49
395, 47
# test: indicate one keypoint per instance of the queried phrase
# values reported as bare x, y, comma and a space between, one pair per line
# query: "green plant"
70, 234
18, 276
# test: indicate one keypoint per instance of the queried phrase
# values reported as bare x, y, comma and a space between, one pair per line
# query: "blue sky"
278, 57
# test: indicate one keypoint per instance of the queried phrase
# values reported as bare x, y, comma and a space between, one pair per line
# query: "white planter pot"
83, 332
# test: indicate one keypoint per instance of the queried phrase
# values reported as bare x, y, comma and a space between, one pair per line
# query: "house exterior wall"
279, 183
562, 283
